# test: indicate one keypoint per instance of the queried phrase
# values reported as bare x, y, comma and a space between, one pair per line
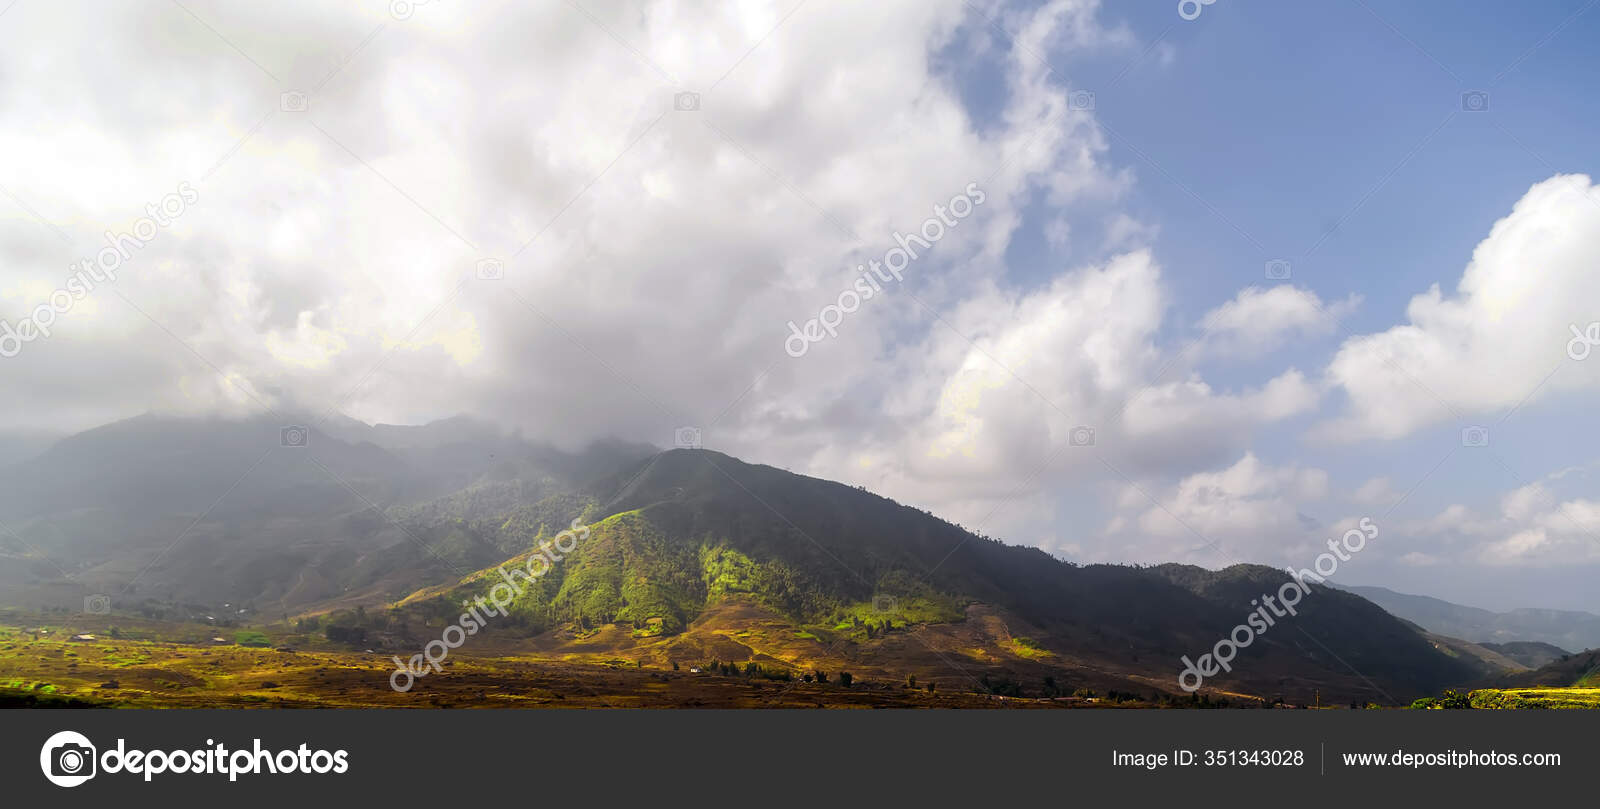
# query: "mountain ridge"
691, 552
1564, 629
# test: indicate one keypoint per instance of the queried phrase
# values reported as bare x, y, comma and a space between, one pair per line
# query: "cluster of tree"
751, 671
349, 635
349, 627
998, 686
1449, 700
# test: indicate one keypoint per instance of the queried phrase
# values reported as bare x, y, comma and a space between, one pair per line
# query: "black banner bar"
917, 758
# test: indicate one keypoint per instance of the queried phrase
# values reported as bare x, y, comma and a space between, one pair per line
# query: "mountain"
690, 556
1558, 628
693, 554
1529, 653
1580, 670
213, 511
20, 445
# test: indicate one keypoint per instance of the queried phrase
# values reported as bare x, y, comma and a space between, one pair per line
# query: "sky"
1227, 281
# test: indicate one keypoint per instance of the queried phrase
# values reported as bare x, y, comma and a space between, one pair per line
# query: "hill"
692, 548
1559, 628
1529, 653
691, 557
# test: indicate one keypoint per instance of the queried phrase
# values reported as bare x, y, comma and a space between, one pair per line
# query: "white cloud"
1545, 525
1123, 232
1259, 320
972, 424
1251, 511
1378, 491
321, 253
1491, 344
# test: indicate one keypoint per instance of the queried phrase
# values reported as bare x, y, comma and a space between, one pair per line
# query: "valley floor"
55, 670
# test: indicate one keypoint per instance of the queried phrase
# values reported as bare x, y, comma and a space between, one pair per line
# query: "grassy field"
1536, 698
156, 665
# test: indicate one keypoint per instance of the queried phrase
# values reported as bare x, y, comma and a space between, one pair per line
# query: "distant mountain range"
692, 556
1567, 630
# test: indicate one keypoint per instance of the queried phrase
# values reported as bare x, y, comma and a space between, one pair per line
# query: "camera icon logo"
1191, 9
403, 9
1475, 101
1475, 437
97, 604
292, 101
1279, 270
687, 437
294, 436
1081, 100
491, 269
686, 102
68, 759
1081, 437
884, 604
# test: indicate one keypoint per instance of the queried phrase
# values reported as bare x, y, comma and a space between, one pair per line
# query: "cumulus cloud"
1532, 527
997, 405
1491, 344
1259, 320
1249, 511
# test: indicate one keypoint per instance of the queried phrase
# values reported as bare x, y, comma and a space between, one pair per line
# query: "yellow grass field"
1536, 698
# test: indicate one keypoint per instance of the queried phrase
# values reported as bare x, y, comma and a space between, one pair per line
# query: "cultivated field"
183, 667
1536, 698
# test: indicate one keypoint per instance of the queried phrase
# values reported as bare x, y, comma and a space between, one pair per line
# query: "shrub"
252, 638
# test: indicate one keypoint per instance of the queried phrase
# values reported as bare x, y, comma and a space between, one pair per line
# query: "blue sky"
1292, 118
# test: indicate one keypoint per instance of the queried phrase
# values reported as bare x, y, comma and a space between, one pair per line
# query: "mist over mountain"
251, 511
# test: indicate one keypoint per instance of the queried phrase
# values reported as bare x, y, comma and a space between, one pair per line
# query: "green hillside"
676, 536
